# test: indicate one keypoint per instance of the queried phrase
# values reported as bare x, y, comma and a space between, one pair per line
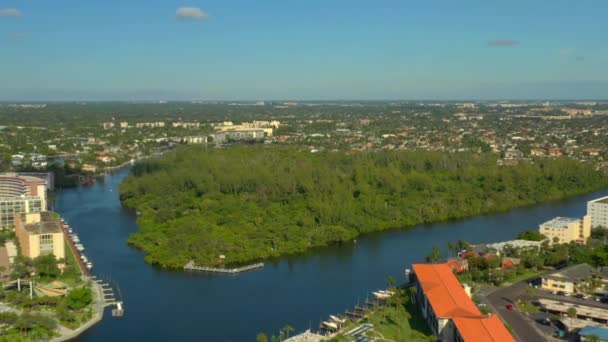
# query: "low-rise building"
500, 247
195, 140
567, 229
448, 309
40, 234
574, 279
598, 210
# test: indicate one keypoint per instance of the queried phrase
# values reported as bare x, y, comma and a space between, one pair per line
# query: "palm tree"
287, 330
261, 337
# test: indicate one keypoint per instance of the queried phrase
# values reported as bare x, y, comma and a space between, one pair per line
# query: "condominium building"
20, 193
12, 207
567, 229
40, 234
449, 310
19, 185
598, 210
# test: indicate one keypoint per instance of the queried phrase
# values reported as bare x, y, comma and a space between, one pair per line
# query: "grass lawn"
528, 307
399, 321
526, 275
70, 258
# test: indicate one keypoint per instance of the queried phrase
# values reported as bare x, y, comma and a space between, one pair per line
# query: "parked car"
544, 321
510, 307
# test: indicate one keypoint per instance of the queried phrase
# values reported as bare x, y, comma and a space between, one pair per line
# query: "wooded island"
252, 203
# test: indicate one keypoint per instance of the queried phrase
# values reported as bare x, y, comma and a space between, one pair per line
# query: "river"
297, 290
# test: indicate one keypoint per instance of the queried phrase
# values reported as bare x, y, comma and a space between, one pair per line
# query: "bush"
79, 298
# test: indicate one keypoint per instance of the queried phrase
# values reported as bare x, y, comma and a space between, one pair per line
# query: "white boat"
89, 265
336, 319
381, 295
80, 247
330, 325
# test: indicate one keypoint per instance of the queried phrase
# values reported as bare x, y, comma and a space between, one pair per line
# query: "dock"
192, 267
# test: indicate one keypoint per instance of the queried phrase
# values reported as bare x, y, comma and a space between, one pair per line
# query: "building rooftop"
47, 225
560, 222
603, 200
444, 291
499, 246
574, 273
600, 332
486, 329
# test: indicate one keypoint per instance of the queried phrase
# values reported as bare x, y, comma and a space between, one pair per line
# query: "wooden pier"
192, 267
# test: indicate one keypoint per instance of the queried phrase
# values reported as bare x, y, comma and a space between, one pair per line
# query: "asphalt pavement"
523, 328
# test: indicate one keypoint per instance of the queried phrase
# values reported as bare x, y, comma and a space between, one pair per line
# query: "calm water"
300, 290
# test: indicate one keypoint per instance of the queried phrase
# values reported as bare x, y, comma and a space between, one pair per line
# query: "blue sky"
296, 49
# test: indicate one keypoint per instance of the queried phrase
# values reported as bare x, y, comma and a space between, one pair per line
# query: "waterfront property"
598, 210
15, 185
20, 193
449, 310
11, 207
40, 234
567, 229
573, 279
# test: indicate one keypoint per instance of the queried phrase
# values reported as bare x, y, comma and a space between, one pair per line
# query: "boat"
79, 247
89, 265
88, 182
337, 320
381, 295
330, 325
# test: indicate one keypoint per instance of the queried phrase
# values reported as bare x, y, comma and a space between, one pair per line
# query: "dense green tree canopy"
251, 203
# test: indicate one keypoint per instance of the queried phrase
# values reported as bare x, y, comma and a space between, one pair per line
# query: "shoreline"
381, 231
98, 312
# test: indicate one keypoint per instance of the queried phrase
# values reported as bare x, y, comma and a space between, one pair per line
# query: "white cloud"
10, 12
190, 13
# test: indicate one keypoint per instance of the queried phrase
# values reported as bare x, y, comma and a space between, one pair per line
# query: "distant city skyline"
314, 50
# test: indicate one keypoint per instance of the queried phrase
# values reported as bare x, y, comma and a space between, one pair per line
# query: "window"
46, 244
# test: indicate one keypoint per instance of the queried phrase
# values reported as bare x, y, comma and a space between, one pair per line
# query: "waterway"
297, 290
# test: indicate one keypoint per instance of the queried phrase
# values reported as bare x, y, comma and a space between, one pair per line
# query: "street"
523, 328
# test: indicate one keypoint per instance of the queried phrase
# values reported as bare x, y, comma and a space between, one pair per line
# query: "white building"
598, 210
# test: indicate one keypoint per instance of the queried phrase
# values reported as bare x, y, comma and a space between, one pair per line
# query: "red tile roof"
449, 300
486, 329
444, 291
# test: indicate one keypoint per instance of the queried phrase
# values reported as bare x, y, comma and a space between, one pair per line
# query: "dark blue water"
298, 290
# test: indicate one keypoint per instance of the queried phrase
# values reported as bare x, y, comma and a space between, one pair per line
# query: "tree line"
252, 203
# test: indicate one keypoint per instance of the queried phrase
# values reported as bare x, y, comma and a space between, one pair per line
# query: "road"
572, 300
522, 327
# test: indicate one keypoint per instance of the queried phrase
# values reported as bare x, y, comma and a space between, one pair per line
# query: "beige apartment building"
598, 210
574, 279
40, 234
567, 229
